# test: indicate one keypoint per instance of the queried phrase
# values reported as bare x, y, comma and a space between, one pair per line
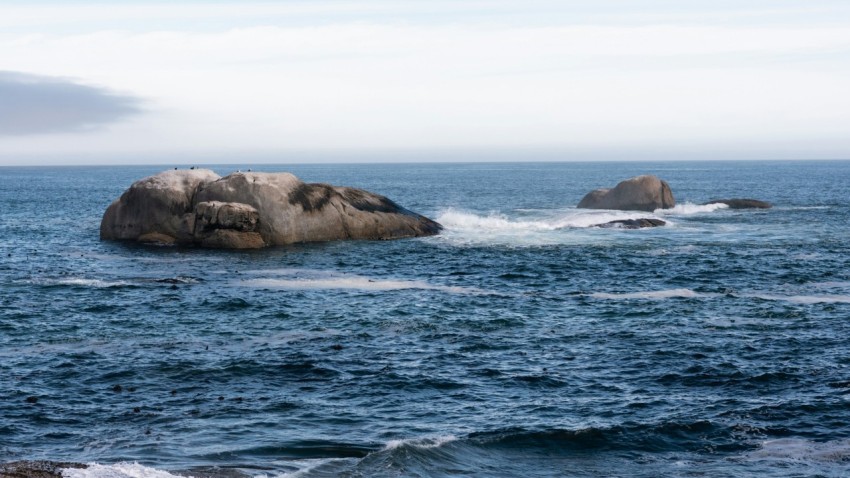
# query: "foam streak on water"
354, 283
656, 294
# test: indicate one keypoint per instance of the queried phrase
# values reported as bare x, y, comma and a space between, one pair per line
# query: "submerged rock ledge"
253, 210
738, 203
639, 223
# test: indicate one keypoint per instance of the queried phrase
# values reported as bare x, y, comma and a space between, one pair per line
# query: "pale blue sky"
605, 79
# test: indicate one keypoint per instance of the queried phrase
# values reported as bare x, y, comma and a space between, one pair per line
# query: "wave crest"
422, 443
686, 209
118, 470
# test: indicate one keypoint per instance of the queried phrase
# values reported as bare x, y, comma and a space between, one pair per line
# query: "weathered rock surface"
35, 469
633, 223
253, 210
737, 203
641, 193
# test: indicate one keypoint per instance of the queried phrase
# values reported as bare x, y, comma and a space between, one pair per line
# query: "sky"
402, 80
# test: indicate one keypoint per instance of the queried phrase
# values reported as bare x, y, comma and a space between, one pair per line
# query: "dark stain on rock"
311, 197
368, 202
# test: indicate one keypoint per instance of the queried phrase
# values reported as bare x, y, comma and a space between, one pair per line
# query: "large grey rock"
158, 208
641, 193
737, 203
252, 210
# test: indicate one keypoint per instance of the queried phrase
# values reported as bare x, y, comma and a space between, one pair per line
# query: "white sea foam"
806, 257
352, 282
803, 299
656, 294
527, 228
118, 470
82, 282
315, 466
804, 208
454, 219
800, 450
831, 284
687, 208
688, 293
547, 220
428, 442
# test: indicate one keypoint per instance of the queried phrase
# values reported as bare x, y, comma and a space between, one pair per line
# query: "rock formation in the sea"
641, 193
737, 203
35, 469
633, 223
252, 210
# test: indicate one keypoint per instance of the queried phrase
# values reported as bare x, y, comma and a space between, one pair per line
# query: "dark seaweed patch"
368, 202
311, 197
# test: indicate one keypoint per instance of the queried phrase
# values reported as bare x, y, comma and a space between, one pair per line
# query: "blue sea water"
519, 342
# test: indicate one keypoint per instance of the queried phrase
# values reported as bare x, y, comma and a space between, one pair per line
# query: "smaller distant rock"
641, 193
633, 223
737, 203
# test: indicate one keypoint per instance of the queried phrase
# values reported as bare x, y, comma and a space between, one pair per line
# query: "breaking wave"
801, 450
529, 227
687, 209
547, 220
118, 470
513, 451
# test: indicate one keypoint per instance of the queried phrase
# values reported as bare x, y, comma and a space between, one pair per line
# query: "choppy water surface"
520, 342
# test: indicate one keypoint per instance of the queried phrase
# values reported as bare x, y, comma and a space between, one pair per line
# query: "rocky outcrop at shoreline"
36, 469
253, 210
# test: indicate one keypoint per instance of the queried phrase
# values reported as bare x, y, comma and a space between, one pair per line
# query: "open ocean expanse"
519, 342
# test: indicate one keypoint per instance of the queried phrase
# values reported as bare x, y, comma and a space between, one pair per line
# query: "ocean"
518, 342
